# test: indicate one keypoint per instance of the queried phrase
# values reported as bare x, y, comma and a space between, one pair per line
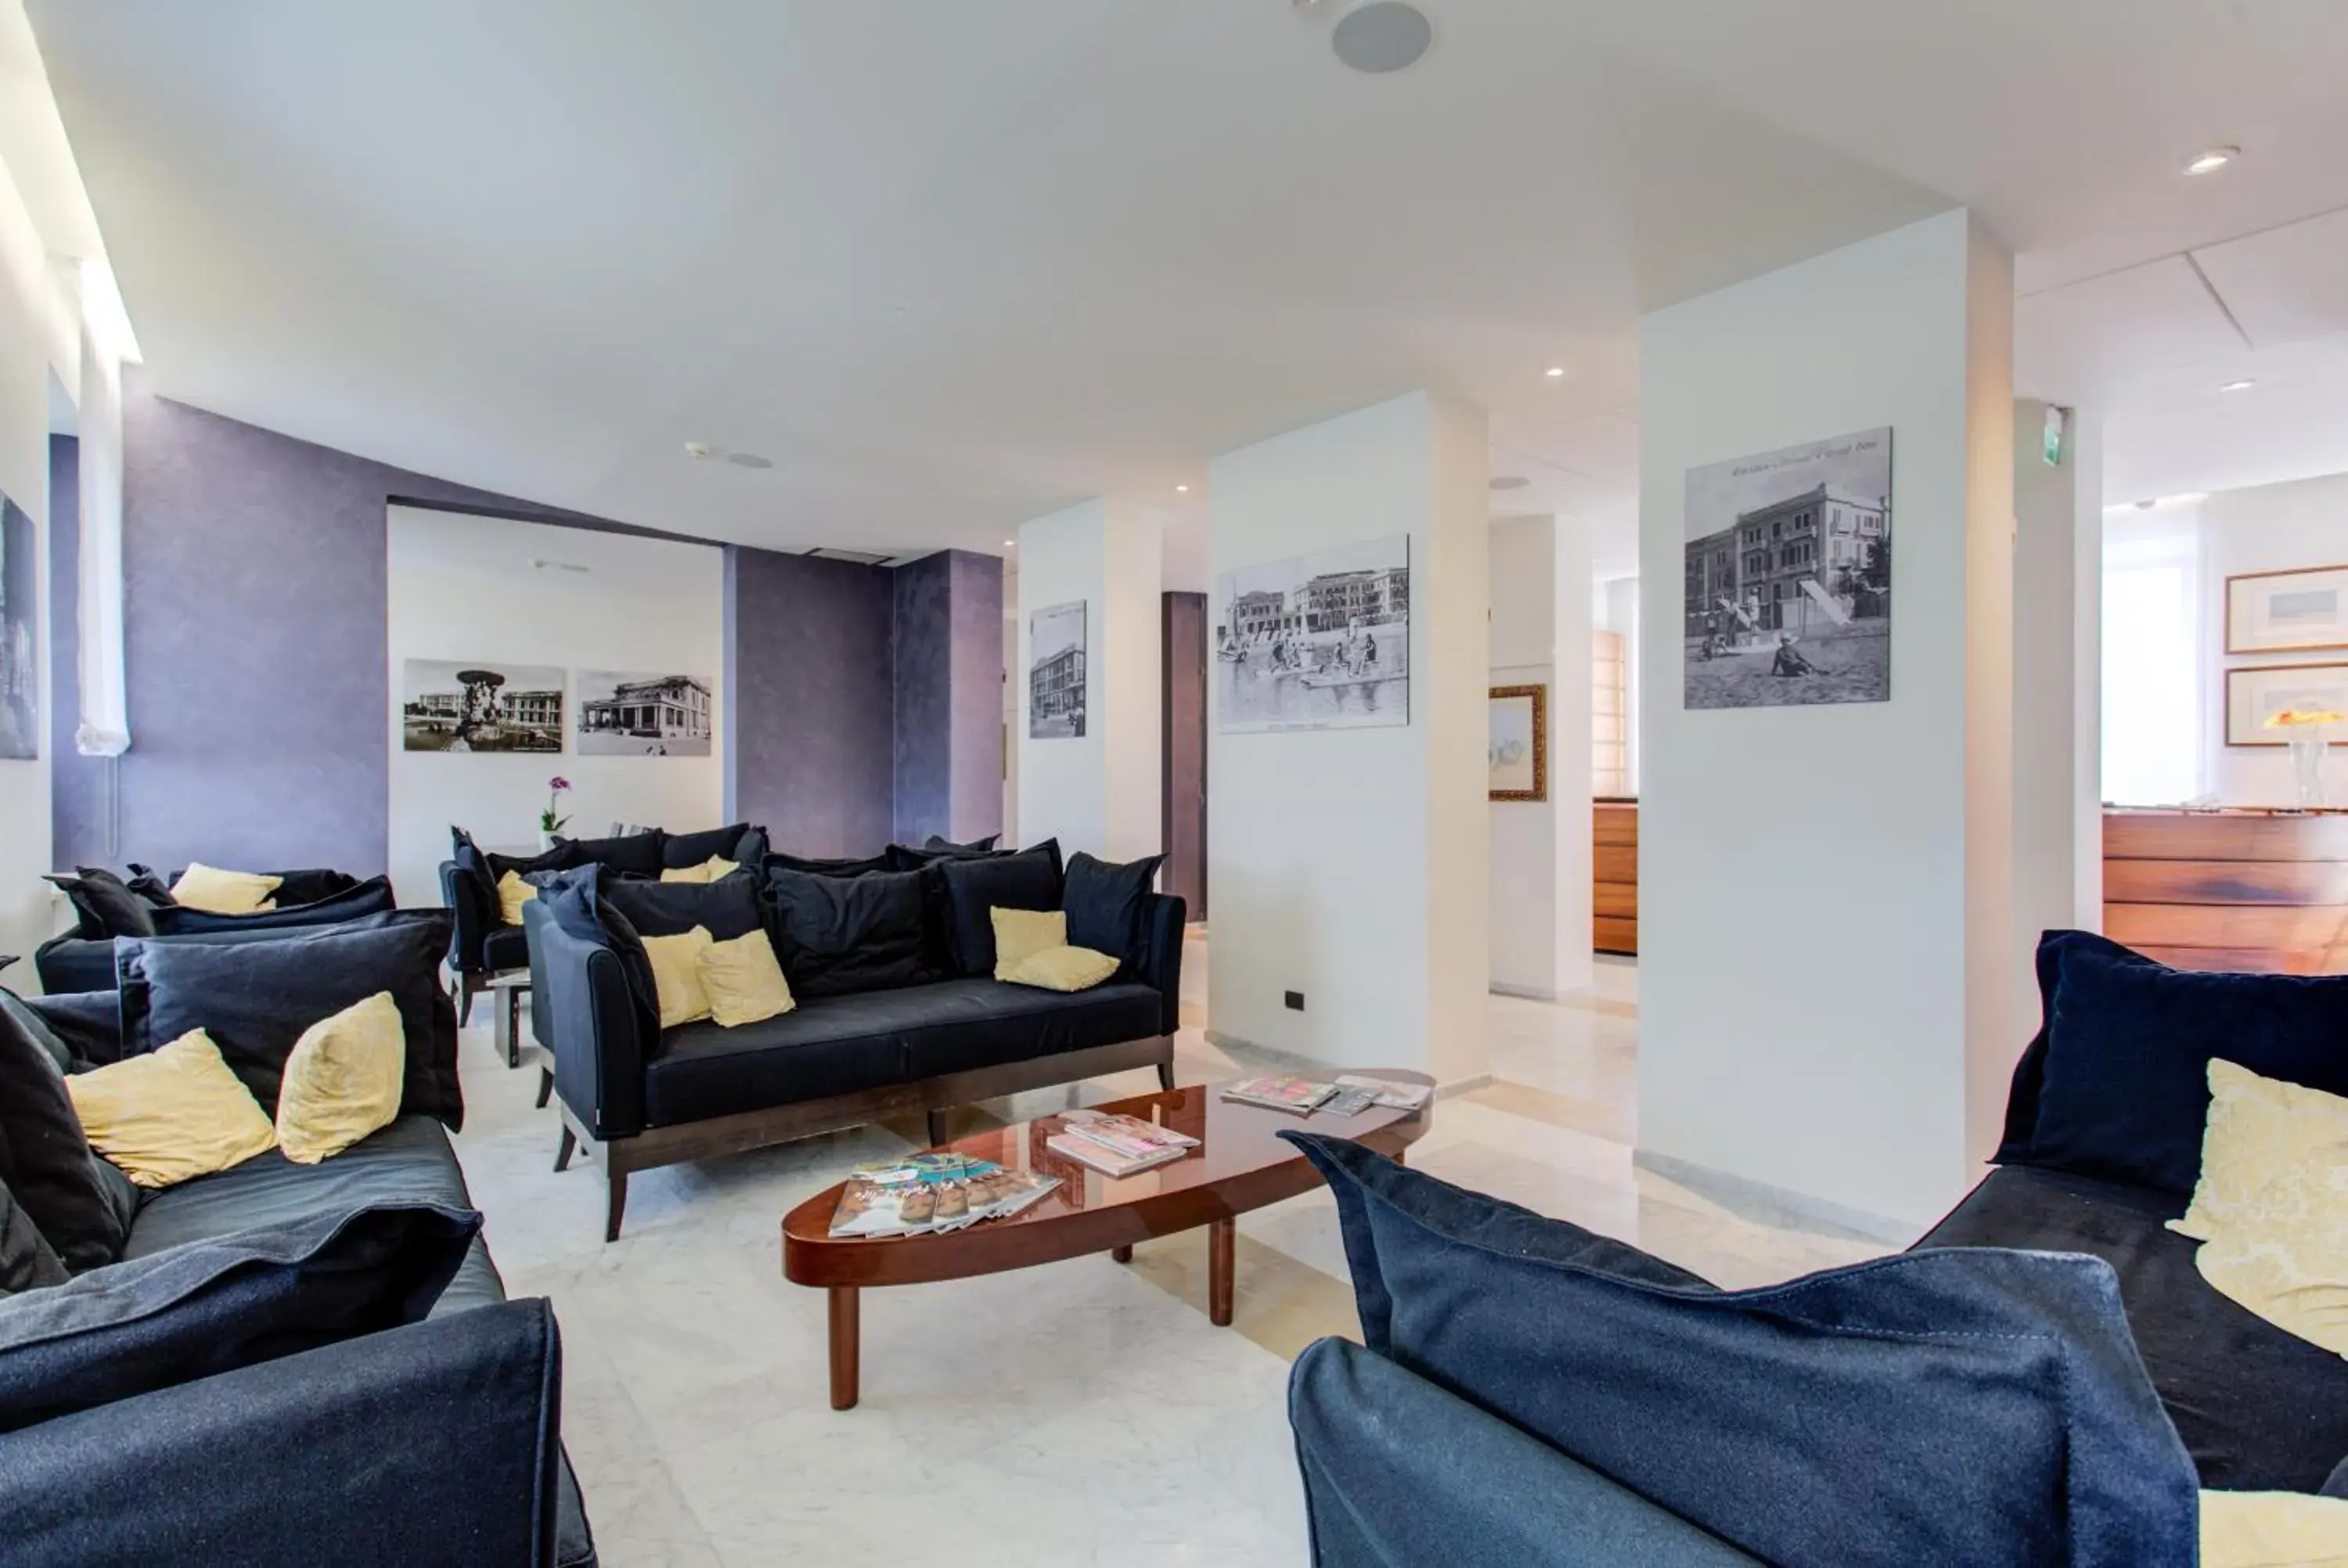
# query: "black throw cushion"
564, 857
727, 909
26, 1262
44, 1160
630, 855
975, 846
846, 866
575, 901
2118, 1079
372, 896
255, 998
104, 904
679, 850
1982, 1407
144, 881
212, 1307
841, 934
1104, 904
907, 857
973, 885
310, 885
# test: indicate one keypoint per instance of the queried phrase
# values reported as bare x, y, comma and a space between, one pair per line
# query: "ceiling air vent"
861, 557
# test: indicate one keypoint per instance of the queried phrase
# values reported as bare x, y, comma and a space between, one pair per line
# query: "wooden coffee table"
1240, 1164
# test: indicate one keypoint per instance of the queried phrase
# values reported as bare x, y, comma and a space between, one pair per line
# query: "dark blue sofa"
83, 959
437, 1443
640, 1097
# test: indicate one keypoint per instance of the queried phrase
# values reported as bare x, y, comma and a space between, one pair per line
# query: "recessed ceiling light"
2242, 385
2216, 159
699, 449
1383, 36
1011, 544
1181, 490
1553, 371
749, 460
1510, 482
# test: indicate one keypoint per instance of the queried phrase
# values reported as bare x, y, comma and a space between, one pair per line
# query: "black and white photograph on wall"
1056, 672
1318, 642
479, 705
640, 715
20, 661
1788, 593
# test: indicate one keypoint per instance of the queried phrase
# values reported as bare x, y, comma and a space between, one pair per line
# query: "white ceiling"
954, 266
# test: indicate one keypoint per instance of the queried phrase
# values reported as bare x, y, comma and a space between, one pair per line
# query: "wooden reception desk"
2232, 889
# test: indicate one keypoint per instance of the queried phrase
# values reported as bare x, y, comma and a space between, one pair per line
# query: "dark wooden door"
1183, 748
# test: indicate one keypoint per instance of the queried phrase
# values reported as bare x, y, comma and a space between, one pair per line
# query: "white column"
1828, 946
1098, 791
1349, 866
1541, 851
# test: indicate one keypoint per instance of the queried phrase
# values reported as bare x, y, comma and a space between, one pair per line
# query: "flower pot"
545, 841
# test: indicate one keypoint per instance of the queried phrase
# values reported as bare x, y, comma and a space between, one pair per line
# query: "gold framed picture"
2295, 612
1518, 746
2256, 692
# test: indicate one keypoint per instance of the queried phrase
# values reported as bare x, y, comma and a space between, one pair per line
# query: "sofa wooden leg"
464, 1000
545, 1085
937, 1128
1165, 1075
562, 1153
615, 1204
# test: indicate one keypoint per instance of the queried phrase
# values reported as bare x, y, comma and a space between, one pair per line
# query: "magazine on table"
1281, 1091
926, 1194
1399, 1096
1117, 1146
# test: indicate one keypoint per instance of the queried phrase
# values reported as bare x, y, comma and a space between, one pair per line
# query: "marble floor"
1079, 1413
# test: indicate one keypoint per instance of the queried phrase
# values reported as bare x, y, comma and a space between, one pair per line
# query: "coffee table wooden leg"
843, 1346
1120, 1254
1220, 1234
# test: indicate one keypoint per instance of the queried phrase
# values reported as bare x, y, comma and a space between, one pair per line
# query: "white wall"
1615, 605
1350, 865
1540, 850
39, 333
1826, 948
1098, 792
2057, 590
462, 587
2267, 527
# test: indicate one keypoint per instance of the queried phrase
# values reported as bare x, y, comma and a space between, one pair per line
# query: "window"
2152, 683
1609, 749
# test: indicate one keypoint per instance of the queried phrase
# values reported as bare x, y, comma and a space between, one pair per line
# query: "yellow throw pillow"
2257, 1128
512, 894
2273, 1530
1021, 934
677, 975
217, 892
2285, 1255
342, 1080
174, 1113
743, 981
709, 870
1063, 970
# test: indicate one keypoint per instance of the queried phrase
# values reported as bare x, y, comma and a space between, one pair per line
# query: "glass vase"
2307, 762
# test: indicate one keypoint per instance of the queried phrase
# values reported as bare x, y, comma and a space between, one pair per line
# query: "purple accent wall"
808, 701
949, 668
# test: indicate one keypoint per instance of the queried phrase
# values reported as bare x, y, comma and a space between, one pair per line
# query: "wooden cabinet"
1614, 892
2265, 891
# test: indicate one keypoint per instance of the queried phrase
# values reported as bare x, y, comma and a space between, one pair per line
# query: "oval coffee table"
1240, 1164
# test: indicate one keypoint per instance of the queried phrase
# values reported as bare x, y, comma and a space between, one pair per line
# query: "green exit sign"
2052, 446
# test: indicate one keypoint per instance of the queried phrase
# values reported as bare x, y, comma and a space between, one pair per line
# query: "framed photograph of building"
624, 714
20, 645
1788, 587
1519, 748
479, 705
2286, 611
1318, 641
1056, 672
2257, 693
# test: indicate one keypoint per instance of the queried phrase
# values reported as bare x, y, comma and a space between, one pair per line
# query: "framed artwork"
643, 714
20, 657
1056, 672
1320, 642
1789, 588
1518, 746
480, 705
2286, 611
2256, 691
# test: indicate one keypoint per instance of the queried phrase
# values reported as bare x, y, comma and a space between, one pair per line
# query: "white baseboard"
1766, 1204
1530, 993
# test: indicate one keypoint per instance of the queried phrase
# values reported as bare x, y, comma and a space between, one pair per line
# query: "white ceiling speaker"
749, 460
1382, 36
1510, 482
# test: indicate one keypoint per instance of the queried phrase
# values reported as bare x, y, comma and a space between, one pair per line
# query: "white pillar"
1349, 864
1829, 948
1098, 791
1541, 851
